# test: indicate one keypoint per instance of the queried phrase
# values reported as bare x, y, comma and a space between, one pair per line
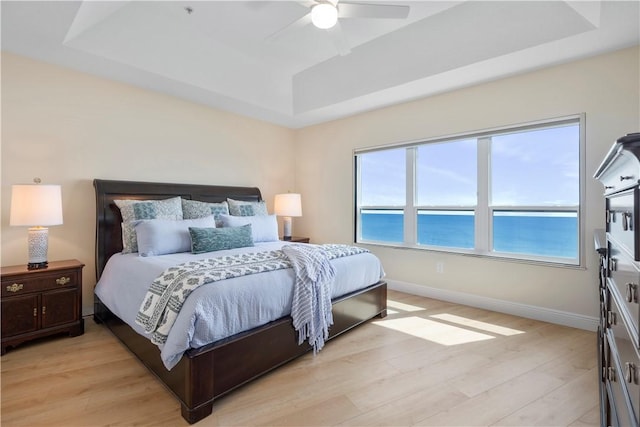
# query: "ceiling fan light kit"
324, 15
328, 14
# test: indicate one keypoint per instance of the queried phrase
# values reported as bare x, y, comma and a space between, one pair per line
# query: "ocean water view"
544, 235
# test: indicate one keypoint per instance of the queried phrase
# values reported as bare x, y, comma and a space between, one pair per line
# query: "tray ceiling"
220, 53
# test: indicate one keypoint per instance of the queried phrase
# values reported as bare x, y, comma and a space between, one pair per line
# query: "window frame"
483, 210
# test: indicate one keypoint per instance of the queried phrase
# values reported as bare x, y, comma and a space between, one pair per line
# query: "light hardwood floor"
428, 363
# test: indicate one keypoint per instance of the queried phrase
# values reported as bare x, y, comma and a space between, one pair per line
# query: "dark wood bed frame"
207, 373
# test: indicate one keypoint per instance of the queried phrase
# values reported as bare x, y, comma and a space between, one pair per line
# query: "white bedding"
221, 309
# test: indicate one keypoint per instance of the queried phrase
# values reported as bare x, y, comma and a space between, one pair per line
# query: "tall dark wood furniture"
207, 373
619, 330
38, 303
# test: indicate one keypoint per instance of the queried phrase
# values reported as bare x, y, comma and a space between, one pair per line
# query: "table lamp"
287, 205
36, 206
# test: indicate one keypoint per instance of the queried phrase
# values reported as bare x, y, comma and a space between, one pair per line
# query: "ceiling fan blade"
337, 37
382, 11
298, 23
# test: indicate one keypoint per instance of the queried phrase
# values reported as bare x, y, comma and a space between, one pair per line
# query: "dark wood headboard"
108, 219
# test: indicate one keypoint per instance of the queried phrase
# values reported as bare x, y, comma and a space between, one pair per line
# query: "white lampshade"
289, 204
36, 205
324, 15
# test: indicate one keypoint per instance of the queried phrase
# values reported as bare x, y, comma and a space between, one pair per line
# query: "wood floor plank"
429, 362
591, 418
409, 409
560, 407
492, 405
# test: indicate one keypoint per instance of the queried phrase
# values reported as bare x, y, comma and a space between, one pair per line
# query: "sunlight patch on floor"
402, 306
438, 332
476, 324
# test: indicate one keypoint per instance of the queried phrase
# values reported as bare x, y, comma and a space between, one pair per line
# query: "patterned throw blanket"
168, 292
311, 304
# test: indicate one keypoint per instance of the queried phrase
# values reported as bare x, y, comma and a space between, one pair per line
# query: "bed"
209, 372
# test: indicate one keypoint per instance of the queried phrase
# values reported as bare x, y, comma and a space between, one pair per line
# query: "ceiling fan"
325, 15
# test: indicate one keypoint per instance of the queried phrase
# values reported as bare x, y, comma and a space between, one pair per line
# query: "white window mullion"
358, 201
410, 214
483, 217
582, 196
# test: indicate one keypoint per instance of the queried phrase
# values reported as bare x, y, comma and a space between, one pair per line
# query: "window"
382, 190
511, 192
446, 193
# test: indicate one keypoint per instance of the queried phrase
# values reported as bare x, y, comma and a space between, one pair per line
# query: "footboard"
209, 372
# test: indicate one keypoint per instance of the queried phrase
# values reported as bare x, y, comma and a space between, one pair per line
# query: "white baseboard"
523, 310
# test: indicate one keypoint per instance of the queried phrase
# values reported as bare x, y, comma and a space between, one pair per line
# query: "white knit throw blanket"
311, 305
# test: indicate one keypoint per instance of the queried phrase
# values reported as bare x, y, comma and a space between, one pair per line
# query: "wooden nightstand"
296, 239
38, 303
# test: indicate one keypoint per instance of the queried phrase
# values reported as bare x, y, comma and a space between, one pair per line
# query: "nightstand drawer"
24, 284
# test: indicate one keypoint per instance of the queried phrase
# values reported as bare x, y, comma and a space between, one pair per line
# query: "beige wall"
68, 128
606, 88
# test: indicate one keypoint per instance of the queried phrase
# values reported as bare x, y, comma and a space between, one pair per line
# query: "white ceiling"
221, 54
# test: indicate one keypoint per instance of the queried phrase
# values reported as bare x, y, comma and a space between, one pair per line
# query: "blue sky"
538, 168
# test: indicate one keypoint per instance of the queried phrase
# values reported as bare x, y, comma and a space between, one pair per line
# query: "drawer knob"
15, 287
63, 281
632, 292
611, 374
630, 373
611, 318
612, 264
626, 221
625, 177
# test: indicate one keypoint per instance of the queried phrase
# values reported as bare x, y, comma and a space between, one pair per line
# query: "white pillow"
264, 228
165, 236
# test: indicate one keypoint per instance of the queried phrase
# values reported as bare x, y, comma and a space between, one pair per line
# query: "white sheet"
221, 309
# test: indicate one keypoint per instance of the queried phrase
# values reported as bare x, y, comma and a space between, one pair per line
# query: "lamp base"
38, 242
286, 227
37, 265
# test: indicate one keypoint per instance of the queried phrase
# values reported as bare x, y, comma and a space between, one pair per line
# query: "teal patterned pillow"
134, 210
192, 209
243, 208
218, 239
